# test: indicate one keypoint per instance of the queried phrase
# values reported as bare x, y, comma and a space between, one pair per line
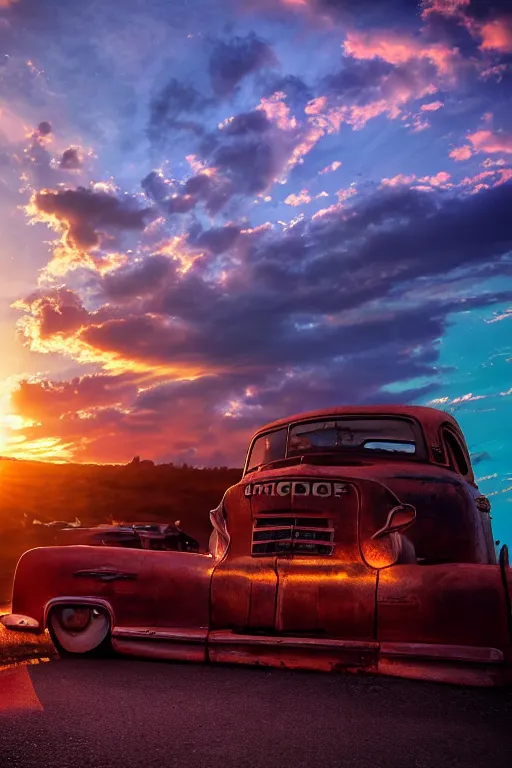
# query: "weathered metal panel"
450, 604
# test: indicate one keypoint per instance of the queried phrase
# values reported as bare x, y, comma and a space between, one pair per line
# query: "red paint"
383, 564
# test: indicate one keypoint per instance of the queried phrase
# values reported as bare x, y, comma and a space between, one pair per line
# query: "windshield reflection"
362, 435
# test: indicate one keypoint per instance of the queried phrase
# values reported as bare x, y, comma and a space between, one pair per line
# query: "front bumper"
18, 623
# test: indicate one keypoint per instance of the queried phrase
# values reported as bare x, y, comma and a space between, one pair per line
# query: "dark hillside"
96, 494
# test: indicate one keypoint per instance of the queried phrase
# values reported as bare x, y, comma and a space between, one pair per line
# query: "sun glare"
15, 443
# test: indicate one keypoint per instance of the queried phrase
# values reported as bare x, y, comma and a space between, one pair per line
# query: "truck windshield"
361, 434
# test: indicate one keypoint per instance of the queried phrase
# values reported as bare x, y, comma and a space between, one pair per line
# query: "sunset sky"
215, 213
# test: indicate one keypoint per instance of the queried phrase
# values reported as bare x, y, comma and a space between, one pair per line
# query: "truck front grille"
289, 534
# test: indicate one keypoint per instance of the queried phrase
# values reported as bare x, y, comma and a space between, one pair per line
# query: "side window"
456, 452
269, 447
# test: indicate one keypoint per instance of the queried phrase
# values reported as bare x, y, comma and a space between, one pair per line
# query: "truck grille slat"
292, 533
291, 519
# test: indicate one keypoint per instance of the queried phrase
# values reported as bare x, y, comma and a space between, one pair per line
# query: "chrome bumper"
19, 623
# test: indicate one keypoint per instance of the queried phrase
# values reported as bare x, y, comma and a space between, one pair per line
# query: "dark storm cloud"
279, 312
483, 10
275, 313
390, 237
459, 232
42, 168
248, 153
181, 204
248, 122
58, 312
231, 61
172, 108
226, 345
368, 12
356, 77
200, 184
155, 187
139, 280
38, 162
207, 387
70, 160
363, 81
297, 92
376, 12
359, 378
251, 165
216, 240
214, 192
85, 213
44, 128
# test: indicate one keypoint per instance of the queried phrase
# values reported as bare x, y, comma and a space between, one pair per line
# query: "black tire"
61, 637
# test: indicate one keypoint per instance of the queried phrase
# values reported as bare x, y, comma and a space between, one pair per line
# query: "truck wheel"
79, 629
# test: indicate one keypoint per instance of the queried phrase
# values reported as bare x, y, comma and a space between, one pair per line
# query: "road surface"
122, 713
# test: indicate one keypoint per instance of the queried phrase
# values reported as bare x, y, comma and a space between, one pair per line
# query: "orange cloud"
320, 119
419, 123
332, 167
460, 153
316, 106
83, 419
497, 35
433, 106
490, 163
345, 194
443, 7
496, 71
301, 199
498, 176
40, 399
58, 323
359, 116
440, 179
82, 214
342, 195
88, 220
487, 141
199, 166
317, 124
312, 136
487, 179
398, 180
472, 180
398, 48
394, 91
278, 112
391, 106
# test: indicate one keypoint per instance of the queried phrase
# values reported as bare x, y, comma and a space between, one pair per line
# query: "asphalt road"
121, 713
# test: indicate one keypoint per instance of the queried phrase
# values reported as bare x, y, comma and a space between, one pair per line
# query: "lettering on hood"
323, 488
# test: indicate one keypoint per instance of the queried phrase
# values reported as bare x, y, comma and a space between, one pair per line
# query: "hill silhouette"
140, 491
